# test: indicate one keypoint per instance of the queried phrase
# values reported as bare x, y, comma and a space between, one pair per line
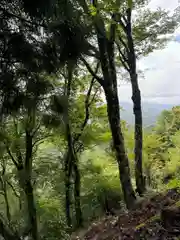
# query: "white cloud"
166, 4
161, 81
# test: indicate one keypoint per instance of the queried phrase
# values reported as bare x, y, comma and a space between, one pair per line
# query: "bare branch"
36, 129
123, 58
12, 158
41, 140
94, 74
15, 193
87, 105
123, 43
95, 94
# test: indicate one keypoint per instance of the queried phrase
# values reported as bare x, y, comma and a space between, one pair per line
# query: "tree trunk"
121, 156
7, 204
68, 170
31, 210
77, 186
28, 188
72, 165
136, 98
5, 194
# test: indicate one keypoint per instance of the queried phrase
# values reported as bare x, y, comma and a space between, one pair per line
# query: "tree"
109, 85
20, 146
75, 130
129, 62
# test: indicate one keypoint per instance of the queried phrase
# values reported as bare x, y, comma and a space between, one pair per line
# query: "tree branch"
87, 105
94, 74
11, 156
123, 58
40, 140
13, 189
9, 14
123, 43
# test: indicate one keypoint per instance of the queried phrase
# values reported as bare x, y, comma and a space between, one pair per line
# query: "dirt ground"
144, 222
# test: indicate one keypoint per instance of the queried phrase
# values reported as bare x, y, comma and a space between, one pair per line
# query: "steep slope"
145, 222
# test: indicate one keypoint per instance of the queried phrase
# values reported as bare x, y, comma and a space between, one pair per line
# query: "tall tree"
129, 62
128, 47
109, 84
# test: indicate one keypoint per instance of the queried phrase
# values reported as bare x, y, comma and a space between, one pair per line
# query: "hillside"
150, 112
153, 219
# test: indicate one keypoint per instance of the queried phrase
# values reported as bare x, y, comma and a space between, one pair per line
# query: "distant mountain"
150, 112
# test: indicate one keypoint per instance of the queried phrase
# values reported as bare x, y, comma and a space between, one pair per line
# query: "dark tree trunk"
68, 171
7, 204
109, 85
77, 187
28, 188
4, 189
72, 166
31, 210
136, 98
121, 156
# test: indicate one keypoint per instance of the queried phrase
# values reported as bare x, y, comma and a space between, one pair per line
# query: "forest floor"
150, 220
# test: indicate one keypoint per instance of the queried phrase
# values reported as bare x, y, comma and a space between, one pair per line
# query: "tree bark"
5, 194
136, 98
72, 165
121, 156
31, 210
68, 170
28, 188
7, 203
77, 187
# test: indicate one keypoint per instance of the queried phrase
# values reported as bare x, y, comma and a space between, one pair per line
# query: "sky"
161, 69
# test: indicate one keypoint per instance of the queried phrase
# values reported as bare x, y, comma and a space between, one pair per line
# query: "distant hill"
150, 112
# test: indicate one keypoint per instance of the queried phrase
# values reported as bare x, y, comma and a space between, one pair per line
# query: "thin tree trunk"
136, 98
4, 188
28, 188
68, 171
31, 210
7, 203
73, 165
77, 187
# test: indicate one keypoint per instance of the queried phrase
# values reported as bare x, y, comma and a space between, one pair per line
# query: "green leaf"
93, 10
